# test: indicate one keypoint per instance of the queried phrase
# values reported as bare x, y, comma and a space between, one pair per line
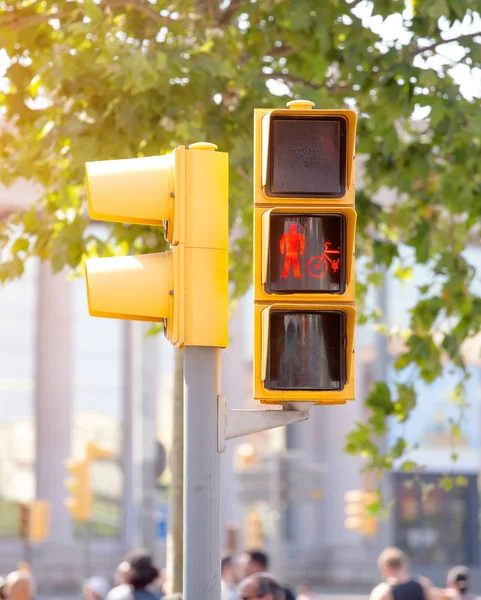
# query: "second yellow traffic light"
80, 502
358, 517
304, 235
187, 286
79, 484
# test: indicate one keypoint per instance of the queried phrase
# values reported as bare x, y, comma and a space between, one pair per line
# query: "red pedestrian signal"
304, 232
300, 265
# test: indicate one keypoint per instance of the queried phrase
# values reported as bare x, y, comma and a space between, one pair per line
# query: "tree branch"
433, 46
228, 14
19, 19
141, 8
16, 20
352, 5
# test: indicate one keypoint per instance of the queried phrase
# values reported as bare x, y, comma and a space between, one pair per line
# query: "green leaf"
92, 10
20, 245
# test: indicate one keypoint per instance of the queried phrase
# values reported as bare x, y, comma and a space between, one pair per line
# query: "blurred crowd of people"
247, 577
398, 584
244, 577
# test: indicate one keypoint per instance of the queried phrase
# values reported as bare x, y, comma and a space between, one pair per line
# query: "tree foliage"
99, 79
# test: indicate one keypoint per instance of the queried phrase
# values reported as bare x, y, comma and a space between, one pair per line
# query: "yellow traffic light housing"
39, 520
304, 254
358, 517
79, 486
187, 286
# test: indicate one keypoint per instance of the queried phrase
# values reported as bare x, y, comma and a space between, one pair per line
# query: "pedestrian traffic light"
304, 230
186, 287
80, 502
356, 509
23, 520
39, 520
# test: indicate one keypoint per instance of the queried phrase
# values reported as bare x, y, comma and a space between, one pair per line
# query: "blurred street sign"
161, 517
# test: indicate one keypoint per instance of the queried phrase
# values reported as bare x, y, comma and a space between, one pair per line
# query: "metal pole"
27, 552
277, 565
86, 536
201, 474
127, 449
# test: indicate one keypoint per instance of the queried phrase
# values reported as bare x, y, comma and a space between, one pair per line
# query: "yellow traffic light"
304, 235
187, 286
79, 486
358, 517
39, 520
94, 452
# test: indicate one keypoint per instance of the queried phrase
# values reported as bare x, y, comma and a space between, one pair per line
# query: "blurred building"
67, 378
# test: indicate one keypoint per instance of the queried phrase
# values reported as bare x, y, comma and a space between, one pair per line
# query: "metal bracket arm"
233, 423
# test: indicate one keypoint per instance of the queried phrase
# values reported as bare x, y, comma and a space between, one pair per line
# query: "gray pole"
86, 544
201, 474
127, 441
277, 563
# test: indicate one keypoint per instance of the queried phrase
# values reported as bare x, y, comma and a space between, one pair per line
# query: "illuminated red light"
306, 253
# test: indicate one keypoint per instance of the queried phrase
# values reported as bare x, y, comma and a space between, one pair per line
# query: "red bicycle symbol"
317, 266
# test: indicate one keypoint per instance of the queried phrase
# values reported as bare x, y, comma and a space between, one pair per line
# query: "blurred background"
104, 380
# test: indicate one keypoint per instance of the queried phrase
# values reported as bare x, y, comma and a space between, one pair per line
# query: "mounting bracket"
233, 423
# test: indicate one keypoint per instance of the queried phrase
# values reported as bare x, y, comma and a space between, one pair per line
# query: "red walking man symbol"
292, 244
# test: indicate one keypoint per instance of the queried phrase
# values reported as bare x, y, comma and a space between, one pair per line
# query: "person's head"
121, 573
260, 586
141, 571
254, 561
18, 586
458, 579
293, 228
392, 562
96, 588
229, 570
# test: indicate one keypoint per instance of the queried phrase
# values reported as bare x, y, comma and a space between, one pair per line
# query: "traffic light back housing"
187, 286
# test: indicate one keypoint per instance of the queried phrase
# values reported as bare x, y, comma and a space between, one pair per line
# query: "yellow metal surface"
130, 287
132, 190
358, 517
94, 452
39, 520
80, 502
264, 207
187, 287
206, 301
206, 247
261, 350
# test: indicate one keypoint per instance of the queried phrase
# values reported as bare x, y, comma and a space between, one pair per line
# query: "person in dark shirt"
139, 578
256, 561
398, 583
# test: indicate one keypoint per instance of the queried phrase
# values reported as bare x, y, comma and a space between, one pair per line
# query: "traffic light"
304, 230
186, 287
79, 486
94, 452
358, 517
24, 520
39, 520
